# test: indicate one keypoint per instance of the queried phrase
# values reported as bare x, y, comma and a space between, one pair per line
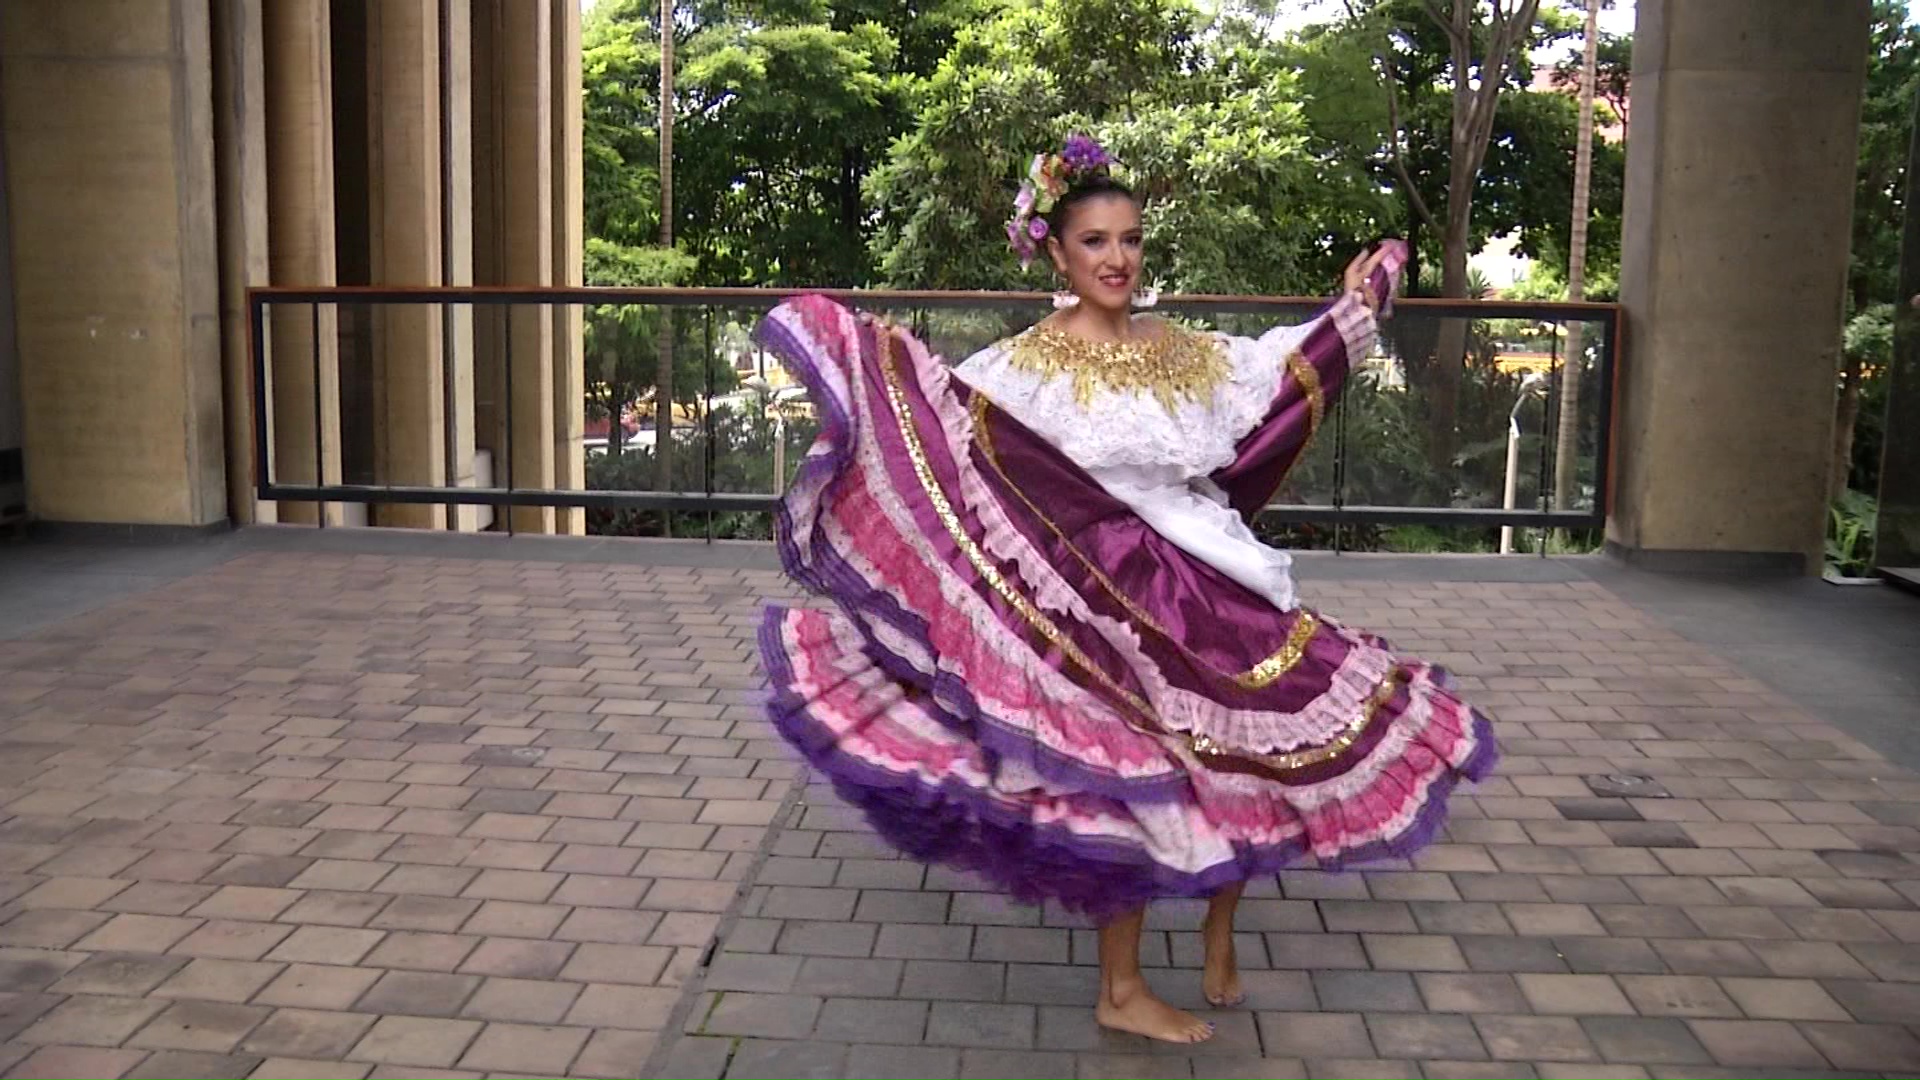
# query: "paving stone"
1603, 955
1320, 950
89, 1020
419, 993
108, 973
206, 1026
858, 1020
170, 1064
1550, 1038
830, 939
315, 986
912, 942
307, 1033
902, 1063
1876, 1047
1640, 1040
945, 981
1316, 1033
1366, 991
69, 1061
1020, 944
694, 1058
218, 980
751, 972
1784, 999
533, 1049
415, 1041
1574, 995
970, 1024
978, 1064
835, 977
530, 1001
774, 1016
1478, 993
620, 1053
1510, 954
1770, 1043
1418, 1037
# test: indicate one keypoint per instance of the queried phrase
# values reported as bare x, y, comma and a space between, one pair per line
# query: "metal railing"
1389, 455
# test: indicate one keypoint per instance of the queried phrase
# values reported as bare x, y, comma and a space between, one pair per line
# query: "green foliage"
1204, 120
623, 340
741, 444
1526, 183
1886, 126
1850, 528
781, 108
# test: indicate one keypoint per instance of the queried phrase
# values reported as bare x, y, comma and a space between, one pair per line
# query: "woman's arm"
1316, 359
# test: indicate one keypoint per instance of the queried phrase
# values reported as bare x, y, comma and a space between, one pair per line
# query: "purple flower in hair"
1082, 154
1037, 228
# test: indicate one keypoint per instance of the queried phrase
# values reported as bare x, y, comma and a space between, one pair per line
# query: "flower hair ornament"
1048, 178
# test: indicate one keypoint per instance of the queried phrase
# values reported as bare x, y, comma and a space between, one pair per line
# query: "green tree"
1879, 208
623, 340
1381, 89
1203, 118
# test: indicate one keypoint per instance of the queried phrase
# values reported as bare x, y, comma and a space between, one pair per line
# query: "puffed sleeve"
1310, 363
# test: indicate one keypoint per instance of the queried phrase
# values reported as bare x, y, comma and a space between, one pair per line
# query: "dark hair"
1097, 186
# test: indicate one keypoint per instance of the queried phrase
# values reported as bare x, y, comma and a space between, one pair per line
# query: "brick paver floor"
330, 815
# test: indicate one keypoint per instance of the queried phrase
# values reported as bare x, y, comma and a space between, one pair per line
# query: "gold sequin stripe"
1177, 367
1258, 677
1212, 752
1215, 755
1309, 379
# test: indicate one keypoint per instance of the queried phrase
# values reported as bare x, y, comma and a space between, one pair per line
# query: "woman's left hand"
1360, 271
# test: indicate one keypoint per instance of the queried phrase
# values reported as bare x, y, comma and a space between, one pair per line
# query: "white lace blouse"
1151, 434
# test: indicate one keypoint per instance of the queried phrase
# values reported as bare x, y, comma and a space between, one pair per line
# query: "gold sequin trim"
1309, 380
1205, 749
1261, 675
1178, 367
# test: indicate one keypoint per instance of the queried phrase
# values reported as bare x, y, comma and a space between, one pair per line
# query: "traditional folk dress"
1055, 653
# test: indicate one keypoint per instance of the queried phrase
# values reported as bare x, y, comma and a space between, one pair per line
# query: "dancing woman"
1056, 655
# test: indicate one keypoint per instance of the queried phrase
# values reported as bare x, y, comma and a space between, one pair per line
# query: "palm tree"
663, 379
1566, 455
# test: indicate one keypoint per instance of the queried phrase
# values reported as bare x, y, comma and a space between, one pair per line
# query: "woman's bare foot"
1220, 981
1131, 1007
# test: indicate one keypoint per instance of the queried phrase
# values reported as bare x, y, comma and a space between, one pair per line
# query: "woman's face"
1098, 251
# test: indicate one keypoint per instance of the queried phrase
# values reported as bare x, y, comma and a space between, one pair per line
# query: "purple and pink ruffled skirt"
1017, 676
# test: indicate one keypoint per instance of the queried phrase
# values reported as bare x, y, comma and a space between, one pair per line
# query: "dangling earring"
1065, 299
1146, 297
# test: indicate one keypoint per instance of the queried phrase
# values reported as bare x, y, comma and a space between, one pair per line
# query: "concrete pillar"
569, 253
304, 343
404, 134
108, 128
489, 258
1740, 177
240, 162
456, 109
525, 133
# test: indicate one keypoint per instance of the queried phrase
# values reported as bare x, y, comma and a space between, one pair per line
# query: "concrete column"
456, 107
303, 351
489, 345
1740, 178
108, 126
403, 44
525, 132
569, 368
240, 161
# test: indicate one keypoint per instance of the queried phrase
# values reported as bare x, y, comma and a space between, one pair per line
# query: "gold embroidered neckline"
1178, 367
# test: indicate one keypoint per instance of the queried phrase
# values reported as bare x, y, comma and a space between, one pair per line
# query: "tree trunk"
663, 375
1450, 349
1566, 455
1846, 413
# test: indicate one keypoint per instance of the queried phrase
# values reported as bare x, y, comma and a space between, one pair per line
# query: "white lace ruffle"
1132, 428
